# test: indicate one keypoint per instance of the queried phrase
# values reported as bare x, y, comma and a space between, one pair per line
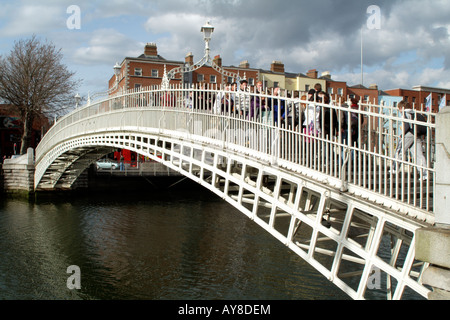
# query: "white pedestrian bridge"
332, 201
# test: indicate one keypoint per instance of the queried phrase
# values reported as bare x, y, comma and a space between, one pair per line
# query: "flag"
428, 103
443, 102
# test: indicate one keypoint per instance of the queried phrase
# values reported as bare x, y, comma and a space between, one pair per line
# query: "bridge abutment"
18, 174
433, 244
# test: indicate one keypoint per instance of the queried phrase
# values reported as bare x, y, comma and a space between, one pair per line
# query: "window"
340, 91
306, 87
137, 86
212, 79
275, 84
200, 77
137, 71
251, 81
330, 91
154, 73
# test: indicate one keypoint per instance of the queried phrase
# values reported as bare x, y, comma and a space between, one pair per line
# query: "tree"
34, 80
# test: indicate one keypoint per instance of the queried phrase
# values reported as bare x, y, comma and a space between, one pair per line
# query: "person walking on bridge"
408, 140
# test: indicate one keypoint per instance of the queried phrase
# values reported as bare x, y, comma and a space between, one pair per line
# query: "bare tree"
33, 79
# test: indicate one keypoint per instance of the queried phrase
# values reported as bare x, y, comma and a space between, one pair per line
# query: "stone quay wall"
18, 173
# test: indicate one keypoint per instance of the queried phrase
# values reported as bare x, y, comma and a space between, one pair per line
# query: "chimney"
218, 60
373, 86
277, 66
326, 75
312, 73
151, 50
189, 59
244, 64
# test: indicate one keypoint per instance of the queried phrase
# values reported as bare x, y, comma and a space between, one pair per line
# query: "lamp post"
77, 100
207, 31
116, 69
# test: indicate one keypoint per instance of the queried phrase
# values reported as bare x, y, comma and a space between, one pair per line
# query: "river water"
171, 244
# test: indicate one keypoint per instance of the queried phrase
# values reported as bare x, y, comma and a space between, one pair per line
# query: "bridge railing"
350, 146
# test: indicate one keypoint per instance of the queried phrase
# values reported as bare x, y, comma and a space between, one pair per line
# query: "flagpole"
362, 68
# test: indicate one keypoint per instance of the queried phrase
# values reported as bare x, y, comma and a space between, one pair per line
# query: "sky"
405, 42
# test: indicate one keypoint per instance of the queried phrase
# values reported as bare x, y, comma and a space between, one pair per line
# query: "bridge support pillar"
442, 211
433, 244
19, 174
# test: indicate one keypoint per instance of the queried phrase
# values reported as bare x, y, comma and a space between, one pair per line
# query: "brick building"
336, 89
145, 70
364, 94
308, 81
11, 130
148, 70
210, 76
418, 95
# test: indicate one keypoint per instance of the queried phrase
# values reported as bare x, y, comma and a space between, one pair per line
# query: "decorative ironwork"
207, 30
286, 180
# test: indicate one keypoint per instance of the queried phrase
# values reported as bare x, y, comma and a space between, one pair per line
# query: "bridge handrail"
361, 163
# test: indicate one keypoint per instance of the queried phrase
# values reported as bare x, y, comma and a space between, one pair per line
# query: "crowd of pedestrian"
314, 113
273, 106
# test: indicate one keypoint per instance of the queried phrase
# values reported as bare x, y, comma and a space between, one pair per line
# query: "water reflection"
184, 245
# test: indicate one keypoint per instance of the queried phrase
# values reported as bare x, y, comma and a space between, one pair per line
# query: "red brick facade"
337, 90
148, 70
418, 97
11, 130
363, 94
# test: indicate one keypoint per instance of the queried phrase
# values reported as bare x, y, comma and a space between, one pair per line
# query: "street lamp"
207, 31
116, 69
77, 100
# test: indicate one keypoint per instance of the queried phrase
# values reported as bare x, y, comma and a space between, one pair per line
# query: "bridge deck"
336, 205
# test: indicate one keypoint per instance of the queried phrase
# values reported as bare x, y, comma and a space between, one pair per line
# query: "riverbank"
108, 182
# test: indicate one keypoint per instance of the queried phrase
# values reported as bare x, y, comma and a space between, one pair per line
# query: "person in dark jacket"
278, 105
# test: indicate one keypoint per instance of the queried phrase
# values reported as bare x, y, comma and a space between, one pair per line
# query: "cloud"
106, 45
412, 47
33, 18
325, 35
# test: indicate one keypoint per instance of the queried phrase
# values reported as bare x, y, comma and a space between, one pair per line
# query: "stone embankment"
18, 174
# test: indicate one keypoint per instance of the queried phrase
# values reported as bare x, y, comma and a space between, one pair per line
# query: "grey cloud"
323, 34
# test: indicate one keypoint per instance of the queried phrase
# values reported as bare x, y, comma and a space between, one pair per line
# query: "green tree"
36, 82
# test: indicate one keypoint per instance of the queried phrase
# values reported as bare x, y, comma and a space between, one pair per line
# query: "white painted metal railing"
231, 121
